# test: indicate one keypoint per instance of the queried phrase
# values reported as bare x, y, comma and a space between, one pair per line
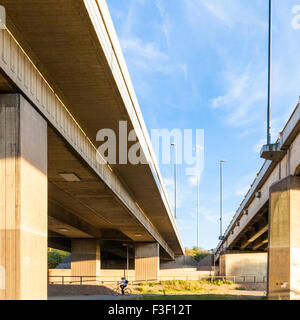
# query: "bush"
143, 284
55, 257
197, 253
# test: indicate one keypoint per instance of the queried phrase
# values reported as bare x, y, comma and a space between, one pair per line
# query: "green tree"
55, 257
197, 253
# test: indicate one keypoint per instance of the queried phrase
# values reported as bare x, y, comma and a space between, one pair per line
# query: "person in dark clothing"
123, 284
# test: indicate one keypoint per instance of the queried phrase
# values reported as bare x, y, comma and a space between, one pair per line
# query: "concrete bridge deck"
63, 77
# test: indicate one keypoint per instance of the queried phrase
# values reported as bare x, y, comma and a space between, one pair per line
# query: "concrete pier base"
147, 262
23, 200
284, 240
85, 261
250, 267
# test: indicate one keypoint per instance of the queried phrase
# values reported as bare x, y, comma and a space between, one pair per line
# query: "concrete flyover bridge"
263, 238
63, 77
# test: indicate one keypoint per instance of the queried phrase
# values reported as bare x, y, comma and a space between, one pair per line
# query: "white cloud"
166, 23
146, 57
146, 51
193, 181
216, 9
257, 147
228, 12
245, 96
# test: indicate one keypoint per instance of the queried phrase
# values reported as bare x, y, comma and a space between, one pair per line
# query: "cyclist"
124, 284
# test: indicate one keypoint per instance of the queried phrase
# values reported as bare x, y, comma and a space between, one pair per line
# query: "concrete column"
23, 200
284, 240
85, 260
244, 264
147, 262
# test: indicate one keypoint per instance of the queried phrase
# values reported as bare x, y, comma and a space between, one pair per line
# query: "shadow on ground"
55, 290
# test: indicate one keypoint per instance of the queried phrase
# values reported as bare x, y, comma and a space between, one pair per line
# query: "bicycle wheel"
128, 291
117, 291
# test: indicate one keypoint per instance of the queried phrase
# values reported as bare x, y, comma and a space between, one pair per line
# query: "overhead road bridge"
264, 232
63, 77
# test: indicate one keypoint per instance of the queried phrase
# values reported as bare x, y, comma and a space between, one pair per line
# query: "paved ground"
258, 294
95, 297
79, 290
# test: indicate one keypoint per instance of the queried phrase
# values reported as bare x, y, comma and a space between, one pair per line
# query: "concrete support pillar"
284, 240
85, 261
147, 262
23, 200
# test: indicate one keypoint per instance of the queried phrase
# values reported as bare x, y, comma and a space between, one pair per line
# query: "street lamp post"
127, 262
221, 198
175, 179
270, 151
269, 75
198, 195
198, 192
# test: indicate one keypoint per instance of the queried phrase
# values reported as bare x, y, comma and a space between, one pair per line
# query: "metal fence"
85, 280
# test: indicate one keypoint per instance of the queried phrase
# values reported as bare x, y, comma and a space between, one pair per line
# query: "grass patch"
197, 297
180, 286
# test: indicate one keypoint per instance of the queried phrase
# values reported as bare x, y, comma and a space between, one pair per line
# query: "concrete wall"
55, 275
85, 258
119, 264
182, 268
183, 274
147, 261
245, 264
179, 262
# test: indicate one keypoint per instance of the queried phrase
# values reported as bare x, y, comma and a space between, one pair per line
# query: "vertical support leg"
147, 262
284, 240
23, 200
85, 261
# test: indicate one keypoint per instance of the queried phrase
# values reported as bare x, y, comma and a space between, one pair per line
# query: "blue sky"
203, 64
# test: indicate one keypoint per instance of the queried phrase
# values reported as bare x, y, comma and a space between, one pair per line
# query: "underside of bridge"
254, 238
63, 78
60, 40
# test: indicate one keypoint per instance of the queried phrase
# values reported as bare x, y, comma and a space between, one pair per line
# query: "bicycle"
118, 291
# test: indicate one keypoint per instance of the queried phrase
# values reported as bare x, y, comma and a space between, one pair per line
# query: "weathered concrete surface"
23, 200
188, 262
86, 259
79, 63
147, 261
65, 59
284, 240
206, 263
244, 264
179, 262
